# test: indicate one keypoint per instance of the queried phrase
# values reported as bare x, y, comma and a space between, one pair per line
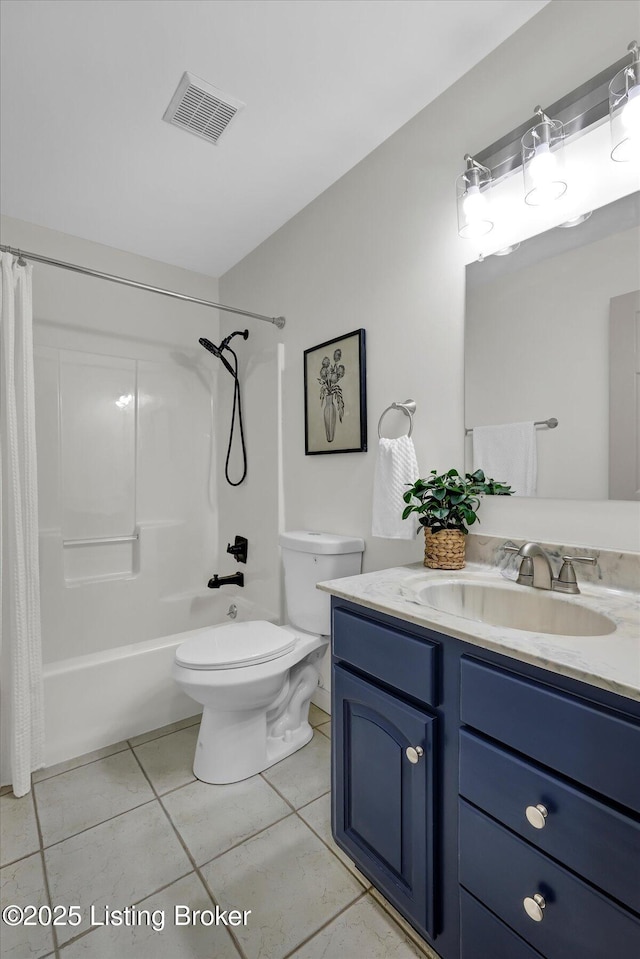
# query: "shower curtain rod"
278, 321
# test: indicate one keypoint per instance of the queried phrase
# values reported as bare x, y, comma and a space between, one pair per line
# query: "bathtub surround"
21, 652
111, 610
380, 249
125, 397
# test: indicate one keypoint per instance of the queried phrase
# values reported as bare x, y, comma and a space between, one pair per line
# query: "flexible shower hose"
237, 405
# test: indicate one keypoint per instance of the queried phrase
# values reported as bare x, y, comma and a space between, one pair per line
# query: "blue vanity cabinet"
549, 814
516, 835
385, 760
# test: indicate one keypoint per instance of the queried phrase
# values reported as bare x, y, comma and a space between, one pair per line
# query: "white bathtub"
95, 700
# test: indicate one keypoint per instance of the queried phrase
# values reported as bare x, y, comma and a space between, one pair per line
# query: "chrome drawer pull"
414, 754
534, 908
537, 815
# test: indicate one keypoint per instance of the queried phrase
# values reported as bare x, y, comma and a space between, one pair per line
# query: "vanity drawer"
501, 870
483, 936
585, 742
398, 659
578, 831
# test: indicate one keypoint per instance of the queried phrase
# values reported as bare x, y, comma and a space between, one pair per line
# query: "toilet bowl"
255, 680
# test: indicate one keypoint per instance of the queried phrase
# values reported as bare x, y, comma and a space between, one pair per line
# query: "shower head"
217, 351
208, 345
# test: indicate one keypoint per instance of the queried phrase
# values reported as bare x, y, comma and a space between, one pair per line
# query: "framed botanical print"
335, 405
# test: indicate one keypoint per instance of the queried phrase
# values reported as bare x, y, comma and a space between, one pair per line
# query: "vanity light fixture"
474, 212
624, 109
544, 180
537, 144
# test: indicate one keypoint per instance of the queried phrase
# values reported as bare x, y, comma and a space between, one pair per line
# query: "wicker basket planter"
444, 549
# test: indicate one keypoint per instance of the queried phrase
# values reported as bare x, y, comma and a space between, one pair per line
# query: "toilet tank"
309, 558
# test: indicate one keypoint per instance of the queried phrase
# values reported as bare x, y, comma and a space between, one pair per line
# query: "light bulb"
474, 204
476, 212
474, 207
630, 117
543, 171
543, 166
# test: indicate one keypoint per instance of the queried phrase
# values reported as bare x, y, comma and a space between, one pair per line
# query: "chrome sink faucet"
536, 569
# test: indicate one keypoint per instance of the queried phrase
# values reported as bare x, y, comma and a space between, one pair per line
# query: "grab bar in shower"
100, 540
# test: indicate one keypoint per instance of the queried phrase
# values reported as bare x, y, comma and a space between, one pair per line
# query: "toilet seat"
234, 645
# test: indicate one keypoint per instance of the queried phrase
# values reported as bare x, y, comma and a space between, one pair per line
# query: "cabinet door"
382, 802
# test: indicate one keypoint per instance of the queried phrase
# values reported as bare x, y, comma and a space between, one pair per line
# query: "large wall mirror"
553, 330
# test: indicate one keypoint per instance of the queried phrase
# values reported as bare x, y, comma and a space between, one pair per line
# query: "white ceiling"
85, 84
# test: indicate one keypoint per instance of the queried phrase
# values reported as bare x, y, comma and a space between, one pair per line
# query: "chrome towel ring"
408, 408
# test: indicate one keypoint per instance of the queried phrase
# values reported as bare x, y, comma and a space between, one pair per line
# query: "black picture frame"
335, 402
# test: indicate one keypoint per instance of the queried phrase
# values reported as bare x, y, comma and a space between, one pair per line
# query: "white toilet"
255, 680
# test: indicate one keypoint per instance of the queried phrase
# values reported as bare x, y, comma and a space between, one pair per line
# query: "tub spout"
236, 579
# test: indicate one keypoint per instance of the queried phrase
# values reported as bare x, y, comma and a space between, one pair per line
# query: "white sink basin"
526, 608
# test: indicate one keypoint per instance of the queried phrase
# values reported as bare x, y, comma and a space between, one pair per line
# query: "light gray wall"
379, 250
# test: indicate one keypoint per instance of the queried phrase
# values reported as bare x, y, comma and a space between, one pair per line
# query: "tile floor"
130, 826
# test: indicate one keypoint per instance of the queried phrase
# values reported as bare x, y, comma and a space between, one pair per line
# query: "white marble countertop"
611, 662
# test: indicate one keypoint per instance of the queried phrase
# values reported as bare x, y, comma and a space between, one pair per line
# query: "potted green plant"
447, 505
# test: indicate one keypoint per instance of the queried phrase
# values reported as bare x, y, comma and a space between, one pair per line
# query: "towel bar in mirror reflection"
550, 424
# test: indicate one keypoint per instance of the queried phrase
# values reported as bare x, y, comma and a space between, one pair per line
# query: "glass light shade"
543, 163
474, 207
624, 114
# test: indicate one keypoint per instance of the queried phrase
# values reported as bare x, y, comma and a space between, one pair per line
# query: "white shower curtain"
21, 650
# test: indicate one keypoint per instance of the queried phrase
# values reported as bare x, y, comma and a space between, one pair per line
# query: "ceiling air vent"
202, 109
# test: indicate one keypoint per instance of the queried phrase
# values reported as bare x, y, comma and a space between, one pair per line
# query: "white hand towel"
396, 466
508, 454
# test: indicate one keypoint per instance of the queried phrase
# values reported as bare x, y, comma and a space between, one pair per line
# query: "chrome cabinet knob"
537, 815
414, 754
534, 907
